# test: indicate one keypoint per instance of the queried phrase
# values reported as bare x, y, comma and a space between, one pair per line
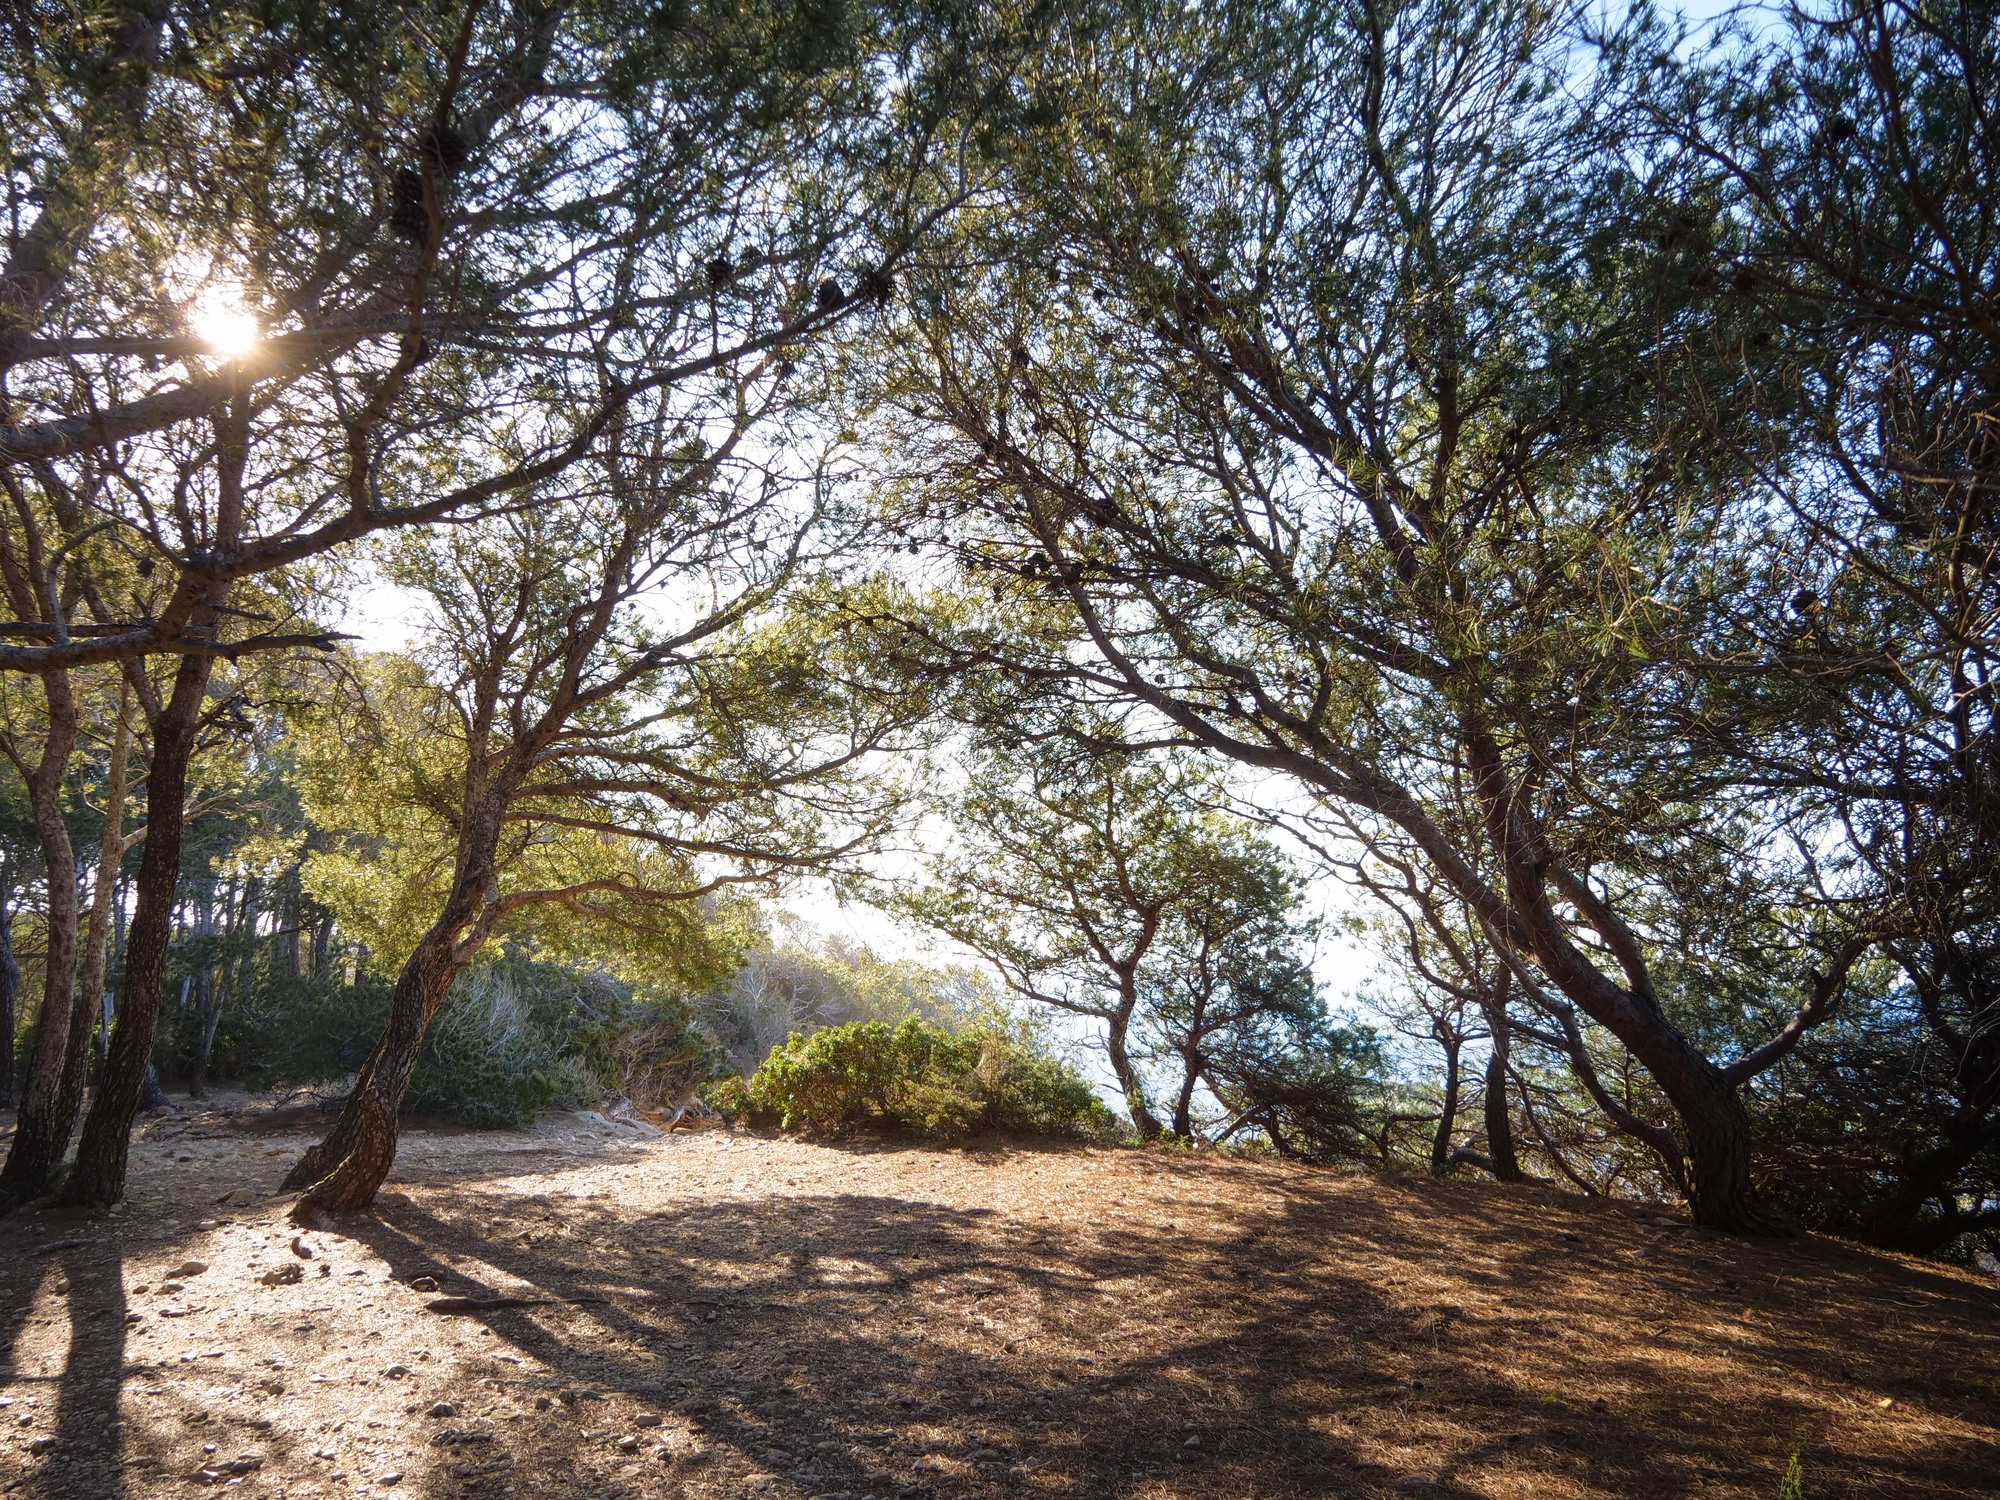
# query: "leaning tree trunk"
344, 1171
1500, 1152
1116, 1045
99, 1174
48, 1108
1714, 1127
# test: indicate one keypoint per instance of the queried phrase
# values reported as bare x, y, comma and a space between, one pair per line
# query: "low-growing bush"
923, 1078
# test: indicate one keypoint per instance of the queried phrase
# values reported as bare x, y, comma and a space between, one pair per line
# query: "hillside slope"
765, 1317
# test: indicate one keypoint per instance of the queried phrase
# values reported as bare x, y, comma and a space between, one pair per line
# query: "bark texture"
1500, 1155
98, 1178
48, 1107
343, 1172
10, 989
1448, 1112
1117, 1045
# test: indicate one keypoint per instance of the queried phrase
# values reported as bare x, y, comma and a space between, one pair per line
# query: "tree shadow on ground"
1007, 1321
79, 1452
869, 1345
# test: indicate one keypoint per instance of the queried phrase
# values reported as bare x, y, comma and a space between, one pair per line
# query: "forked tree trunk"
1714, 1128
48, 1107
1499, 1113
99, 1174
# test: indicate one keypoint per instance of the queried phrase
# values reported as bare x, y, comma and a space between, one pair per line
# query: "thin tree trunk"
47, 1116
110, 856
10, 989
322, 945
1448, 1116
211, 1021
1506, 1165
208, 997
99, 1174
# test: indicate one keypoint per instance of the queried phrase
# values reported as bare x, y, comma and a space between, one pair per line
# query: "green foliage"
1314, 1095
513, 1037
802, 985
1793, 1485
664, 1054
482, 1074
315, 1032
925, 1079
730, 1097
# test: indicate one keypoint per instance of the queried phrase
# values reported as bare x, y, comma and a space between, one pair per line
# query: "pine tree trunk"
1717, 1133
211, 1018
343, 1172
48, 1112
1129, 1082
99, 1174
10, 989
1714, 1127
1184, 1099
1448, 1113
1499, 1114
104, 885
203, 985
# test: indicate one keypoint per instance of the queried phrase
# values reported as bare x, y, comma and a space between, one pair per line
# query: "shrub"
730, 1098
664, 1055
512, 1037
300, 1031
923, 1078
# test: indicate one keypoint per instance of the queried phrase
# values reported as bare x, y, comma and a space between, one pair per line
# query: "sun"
220, 320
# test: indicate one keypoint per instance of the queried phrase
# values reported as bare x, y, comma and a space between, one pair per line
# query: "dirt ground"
727, 1315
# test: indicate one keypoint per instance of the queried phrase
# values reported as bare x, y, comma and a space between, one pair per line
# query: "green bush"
730, 1097
923, 1078
513, 1036
299, 1031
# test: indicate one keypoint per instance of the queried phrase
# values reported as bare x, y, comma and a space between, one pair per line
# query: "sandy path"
741, 1316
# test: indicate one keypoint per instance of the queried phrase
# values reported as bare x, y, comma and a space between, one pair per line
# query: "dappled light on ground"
721, 1315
